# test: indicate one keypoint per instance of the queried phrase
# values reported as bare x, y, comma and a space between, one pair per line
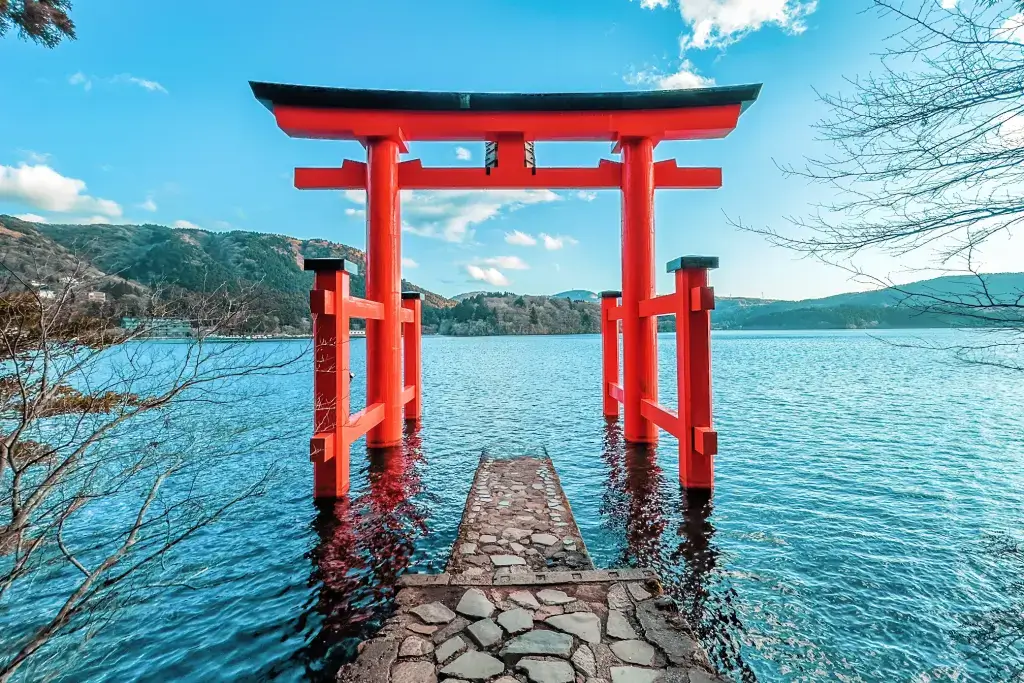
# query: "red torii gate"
385, 121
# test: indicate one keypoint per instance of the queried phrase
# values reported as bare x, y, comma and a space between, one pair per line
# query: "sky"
148, 118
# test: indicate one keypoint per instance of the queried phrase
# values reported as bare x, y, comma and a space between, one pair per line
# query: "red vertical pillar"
384, 285
413, 365
639, 335
698, 442
328, 449
609, 352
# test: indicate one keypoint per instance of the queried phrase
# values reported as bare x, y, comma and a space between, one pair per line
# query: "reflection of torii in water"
364, 546
634, 499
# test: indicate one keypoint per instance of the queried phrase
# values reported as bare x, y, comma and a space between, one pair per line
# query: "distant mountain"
143, 256
578, 295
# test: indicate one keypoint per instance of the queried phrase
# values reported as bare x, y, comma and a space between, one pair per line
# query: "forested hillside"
137, 257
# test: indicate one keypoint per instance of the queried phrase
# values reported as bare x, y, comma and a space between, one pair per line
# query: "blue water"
857, 484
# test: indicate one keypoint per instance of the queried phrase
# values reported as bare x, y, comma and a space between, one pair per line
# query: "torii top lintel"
348, 114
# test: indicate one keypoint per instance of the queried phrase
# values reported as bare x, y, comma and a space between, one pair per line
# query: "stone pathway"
517, 520
536, 621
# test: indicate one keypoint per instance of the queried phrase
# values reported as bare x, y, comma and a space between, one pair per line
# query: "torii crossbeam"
385, 121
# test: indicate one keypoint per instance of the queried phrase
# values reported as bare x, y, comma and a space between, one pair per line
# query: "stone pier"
521, 602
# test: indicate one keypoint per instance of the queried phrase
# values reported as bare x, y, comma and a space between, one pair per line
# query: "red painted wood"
413, 363
609, 355
384, 286
639, 335
695, 123
413, 176
328, 450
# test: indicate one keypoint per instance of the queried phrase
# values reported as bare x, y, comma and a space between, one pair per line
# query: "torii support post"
611, 390
384, 285
412, 309
698, 442
639, 334
328, 450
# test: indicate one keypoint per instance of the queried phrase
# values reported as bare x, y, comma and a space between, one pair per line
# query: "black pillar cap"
610, 294
329, 264
690, 262
412, 295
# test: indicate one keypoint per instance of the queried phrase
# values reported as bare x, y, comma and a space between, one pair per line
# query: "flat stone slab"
524, 598
449, 649
584, 625
516, 621
507, 560
634, 652
433, 613
414, 646
546, 671
632, 674
550, 596
474, 666
618, 626
475, 604
485, 632
539, 643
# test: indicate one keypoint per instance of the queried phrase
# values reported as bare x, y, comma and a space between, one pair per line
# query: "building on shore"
159, 328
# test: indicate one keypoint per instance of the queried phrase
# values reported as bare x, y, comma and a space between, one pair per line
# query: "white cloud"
716, 23
520, 238
148, 205
91, 220
145, 83
948, 4
33, 157
409, 263
355, 212
452, 215
586, 195
684, 77
86, 82
491, 276
81, 79
463, 154
507, 262
1012, 29
553, 242
654, 4
41, 187
186, 225
31, 218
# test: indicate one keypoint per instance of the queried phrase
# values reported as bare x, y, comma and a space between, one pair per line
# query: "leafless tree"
927, 156
115, 451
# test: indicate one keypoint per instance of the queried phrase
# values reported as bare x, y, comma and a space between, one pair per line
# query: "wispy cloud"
506, 262
553, 242
186, 225
409, 263
463, 154
148, 205
453, 215
491, 276
520, 239
31, 218
41, 187
86, 82
32, 157
586, 195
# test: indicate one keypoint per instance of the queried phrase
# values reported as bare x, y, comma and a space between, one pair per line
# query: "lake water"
857, 484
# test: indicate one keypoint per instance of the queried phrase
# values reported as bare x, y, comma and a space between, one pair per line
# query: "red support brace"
609, 353
412, 303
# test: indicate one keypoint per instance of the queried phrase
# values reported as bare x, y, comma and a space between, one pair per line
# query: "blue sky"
148, 117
